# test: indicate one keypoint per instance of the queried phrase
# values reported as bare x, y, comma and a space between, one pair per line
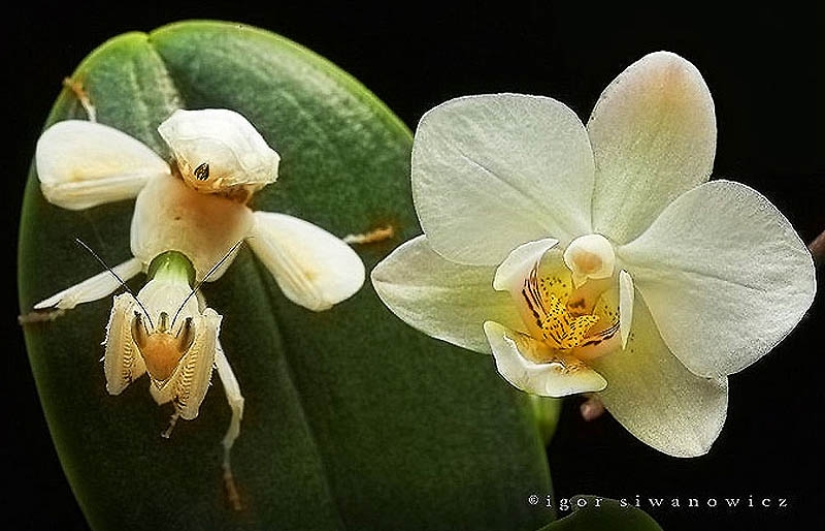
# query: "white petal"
563, 377
514, 168
511, 273
223, 141
653, 132
443, 299
94, 288
625, 305
312, 267
725, 276
82, 164
656, 398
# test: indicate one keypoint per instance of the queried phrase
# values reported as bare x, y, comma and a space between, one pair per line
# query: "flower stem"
546, 411
817, 248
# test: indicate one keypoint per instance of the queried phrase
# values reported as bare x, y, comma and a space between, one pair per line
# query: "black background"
764, 67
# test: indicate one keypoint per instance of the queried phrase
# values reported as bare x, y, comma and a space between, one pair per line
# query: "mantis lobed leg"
313, 268
172, 421
236, 401
94, 288
82, 164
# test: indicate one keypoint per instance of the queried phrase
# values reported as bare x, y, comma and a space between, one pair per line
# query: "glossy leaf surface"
353, 420
591, 513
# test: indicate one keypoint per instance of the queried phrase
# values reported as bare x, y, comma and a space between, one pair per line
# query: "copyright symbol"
533, 499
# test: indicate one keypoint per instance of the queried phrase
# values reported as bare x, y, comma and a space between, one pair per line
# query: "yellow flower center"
579, 320
565, 318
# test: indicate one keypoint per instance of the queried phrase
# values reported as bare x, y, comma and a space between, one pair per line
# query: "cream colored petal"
653, 132
725, 276
511, 273
218, 149
625, 305
656, 398
559, 376
82, 164
313, 268
492, 172
443, 299
94, 288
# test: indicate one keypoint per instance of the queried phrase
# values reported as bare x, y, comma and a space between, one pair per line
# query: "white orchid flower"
598, 258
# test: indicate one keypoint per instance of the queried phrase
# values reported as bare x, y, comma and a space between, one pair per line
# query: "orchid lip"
579, 319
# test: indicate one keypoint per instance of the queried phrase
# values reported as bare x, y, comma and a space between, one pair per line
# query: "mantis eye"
202, 171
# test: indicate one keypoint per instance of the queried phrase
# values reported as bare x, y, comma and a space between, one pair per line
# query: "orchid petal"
656, 398
313, 268
653, 132
443, 299
725, 276
511, 273
625, 305
518, 168
83, 164
532, 366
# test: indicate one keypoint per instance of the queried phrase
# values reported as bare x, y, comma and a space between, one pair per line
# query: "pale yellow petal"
653, 133
533, 367
657, 398
443, 299
511, 273
725, 275
625, 305
492, 172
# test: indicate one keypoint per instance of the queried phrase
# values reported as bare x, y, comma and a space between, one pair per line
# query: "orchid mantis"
190, 218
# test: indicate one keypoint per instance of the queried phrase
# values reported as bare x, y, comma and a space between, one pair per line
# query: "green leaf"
547, 411
353, 420
591, 513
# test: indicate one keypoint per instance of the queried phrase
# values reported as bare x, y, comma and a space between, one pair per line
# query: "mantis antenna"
198, 284
120, 280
